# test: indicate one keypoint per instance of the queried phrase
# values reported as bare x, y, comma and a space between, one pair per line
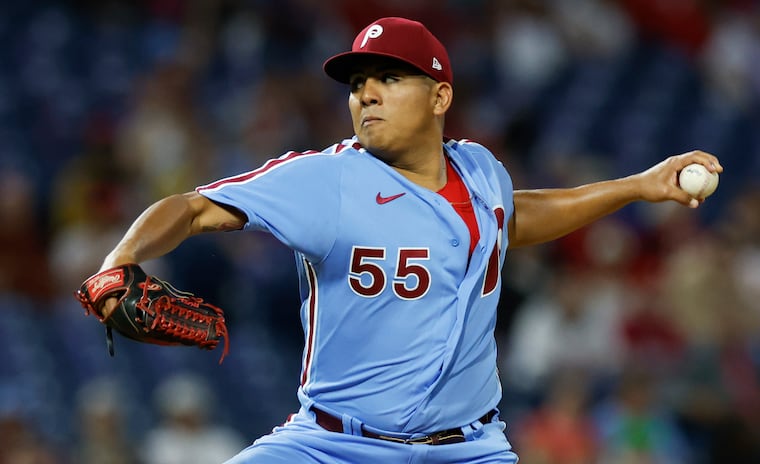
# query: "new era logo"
437, 64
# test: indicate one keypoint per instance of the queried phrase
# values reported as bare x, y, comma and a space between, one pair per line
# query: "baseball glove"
151, 310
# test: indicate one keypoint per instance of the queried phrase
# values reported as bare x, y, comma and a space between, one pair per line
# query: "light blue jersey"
398, 318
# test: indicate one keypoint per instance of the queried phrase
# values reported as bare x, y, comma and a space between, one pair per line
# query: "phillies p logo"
373, 32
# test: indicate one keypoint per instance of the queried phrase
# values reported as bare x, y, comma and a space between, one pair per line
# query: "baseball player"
399, 236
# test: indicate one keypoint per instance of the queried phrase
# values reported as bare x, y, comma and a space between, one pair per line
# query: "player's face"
391, 108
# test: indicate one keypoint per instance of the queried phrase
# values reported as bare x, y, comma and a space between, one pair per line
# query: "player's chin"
368, 134
373, 143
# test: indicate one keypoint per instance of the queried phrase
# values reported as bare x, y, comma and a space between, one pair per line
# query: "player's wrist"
117, 259
632, 187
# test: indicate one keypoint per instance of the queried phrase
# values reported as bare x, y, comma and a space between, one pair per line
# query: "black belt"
445, 437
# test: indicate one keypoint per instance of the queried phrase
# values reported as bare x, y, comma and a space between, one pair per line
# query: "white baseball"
697, 181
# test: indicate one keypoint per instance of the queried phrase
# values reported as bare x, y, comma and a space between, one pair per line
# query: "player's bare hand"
660, 182
108, 307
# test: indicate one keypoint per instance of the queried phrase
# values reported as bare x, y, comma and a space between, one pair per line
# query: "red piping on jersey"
340, 147
312, 322
457, 194
269, 165
273, 163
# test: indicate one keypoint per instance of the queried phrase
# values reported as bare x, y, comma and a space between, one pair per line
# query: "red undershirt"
456, 193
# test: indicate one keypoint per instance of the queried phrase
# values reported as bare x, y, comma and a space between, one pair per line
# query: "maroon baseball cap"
400, 38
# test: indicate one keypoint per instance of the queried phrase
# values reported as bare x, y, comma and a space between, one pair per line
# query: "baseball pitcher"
399, 236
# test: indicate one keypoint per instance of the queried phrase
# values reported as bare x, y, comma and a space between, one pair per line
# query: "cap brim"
341, 66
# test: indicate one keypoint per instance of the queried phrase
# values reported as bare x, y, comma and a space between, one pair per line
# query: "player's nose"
371, 92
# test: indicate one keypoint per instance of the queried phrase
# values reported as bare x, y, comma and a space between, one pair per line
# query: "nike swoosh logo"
381, 200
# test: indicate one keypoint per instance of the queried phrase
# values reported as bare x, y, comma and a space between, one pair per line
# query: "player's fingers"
704, 158
661, 182
677, 194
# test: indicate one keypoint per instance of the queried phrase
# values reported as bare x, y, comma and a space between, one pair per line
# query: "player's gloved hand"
150, 310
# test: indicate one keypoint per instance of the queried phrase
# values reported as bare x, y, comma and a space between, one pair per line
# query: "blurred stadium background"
634, 340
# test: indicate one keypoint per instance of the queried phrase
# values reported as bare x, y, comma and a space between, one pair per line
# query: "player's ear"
443, 97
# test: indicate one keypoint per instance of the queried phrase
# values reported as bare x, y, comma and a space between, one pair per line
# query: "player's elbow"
207, 215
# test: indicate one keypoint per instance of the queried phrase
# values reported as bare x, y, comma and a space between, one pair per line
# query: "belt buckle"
426, 440
388, 438
445, 437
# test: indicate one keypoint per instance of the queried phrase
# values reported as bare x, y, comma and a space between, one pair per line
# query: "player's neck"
427, 171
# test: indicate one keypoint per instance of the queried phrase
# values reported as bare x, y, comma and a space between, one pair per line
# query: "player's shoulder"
472, 151
478, 161
326, 158
468, 147
318, 164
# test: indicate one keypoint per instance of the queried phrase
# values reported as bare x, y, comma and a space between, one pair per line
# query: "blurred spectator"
20, 442
103, 432
650, 333
89, 207
570, 323
560, 431
714, 428
594, 28
684, 24
697, 290
161, 143
576, 319
634, 427
745, 270
265, 282
720, 377
529, 49
270, 122
24, 266
730, 58
188, 432
738, 232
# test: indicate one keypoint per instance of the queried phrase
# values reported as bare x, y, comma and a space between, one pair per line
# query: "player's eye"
356, 82
389, 77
